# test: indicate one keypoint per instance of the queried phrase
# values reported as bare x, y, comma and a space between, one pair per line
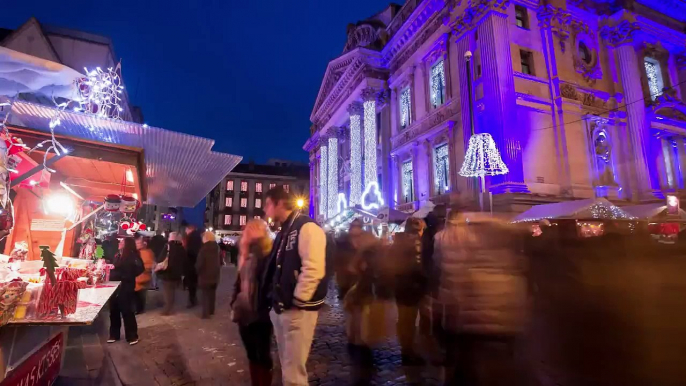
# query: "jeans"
191, 282
140, 298
294, 331
169, 291
121, 307
208, 299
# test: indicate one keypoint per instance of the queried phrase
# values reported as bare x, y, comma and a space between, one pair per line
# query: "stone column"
413, 98
428, 153
499, 100
621, 38
313, 203
323, 177
414, 153
355, 111
681, 153
370, 165
452, 157
396, 188
332, 175
395, 112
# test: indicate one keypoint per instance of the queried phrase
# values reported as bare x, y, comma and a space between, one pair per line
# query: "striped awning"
180, 168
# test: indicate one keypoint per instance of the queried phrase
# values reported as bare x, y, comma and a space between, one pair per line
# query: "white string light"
355, 160
375, 201
369, 142
323, 198
100, 92
405, 107
442, 169
332, 183
482, 158
342, 202
437, 84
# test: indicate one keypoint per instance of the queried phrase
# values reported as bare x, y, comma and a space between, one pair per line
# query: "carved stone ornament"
468, 18
587, 99
568, 91
561, 24
369, 93
355, 108
620, 34
363, 35
589, 69
383, 97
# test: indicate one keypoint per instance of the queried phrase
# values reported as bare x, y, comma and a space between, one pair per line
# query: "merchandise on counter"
20, 251
28, 304
10, 295
49, 262
62, 296
88, 244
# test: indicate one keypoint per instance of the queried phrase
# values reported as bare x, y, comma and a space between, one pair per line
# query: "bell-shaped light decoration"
482, 158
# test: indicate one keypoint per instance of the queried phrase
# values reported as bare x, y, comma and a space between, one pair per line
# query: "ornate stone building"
583, 99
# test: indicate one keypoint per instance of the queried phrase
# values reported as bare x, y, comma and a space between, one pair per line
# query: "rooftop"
289, 170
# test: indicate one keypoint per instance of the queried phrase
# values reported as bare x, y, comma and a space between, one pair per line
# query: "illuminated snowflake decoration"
441, 169
482, 158
437, 84
371, 198
355, 160
654, 78
369, 142
407, 180
323, 198
405, 107
100, 93
332, 183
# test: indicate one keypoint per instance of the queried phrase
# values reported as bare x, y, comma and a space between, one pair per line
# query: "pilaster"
332, 175
369, 95
355, 110
452, 156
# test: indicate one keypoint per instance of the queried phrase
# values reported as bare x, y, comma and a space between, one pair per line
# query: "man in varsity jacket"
296, 283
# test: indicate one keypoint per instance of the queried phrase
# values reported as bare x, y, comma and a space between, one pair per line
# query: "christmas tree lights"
369, 142
482, 158
332, 182
323, 173
355, 160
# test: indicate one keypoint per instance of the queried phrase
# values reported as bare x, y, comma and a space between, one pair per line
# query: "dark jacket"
410, 275
109, 250
158, 245
285, 266
175, 265
193, 245
208, 265
126, 269
247, 306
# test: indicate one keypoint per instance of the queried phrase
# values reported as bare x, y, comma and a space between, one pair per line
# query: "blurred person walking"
158, 246
410, 289
193, 243
208, 268
343, 259
482, 285
251, 314
298, 280
143, 280
170, 270
127, 266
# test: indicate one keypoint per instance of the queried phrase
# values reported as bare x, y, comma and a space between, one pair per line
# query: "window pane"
654, 74
405, 107
244, 202
229, 202
286, 188
258, 203
441, 169
258, 187
271, 186
408, 193
227, 219
243, 219
244, 186
437, 84
229, 185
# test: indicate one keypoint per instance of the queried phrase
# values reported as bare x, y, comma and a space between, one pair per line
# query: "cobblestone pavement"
183, 349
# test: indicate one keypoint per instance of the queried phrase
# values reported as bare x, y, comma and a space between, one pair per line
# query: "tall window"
244, 202
243, 219
408, 186
405, 107
527, 60
287, 188
437, 82
244, 186
227, 219
258, 187
654, 74
521, 17
229, 185
441, 169
229, 202
258, 203
272, 186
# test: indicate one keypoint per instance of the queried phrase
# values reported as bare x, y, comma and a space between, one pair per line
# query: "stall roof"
650, 211
588, 208
180, 169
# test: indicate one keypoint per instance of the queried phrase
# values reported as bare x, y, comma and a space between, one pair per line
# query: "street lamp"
300, 203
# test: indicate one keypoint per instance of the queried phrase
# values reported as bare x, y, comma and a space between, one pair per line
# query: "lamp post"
468, 65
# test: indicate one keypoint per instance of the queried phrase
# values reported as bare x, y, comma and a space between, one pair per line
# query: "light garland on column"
407, 180
332, 183
355, 160
369, 142
441, 169
482, 158
323, 174
405, 107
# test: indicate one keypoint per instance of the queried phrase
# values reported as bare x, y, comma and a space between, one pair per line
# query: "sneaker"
112, 340
134, 342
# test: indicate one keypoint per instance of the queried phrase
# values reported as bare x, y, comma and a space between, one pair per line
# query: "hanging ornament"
482, 158
128, 205
112, 203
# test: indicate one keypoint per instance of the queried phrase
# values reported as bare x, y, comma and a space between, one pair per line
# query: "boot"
254, 374
265, 376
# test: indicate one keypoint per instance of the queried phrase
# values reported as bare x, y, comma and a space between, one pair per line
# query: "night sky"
242, 72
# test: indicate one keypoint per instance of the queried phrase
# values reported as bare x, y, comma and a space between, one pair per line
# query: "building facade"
241, 194
583, 99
